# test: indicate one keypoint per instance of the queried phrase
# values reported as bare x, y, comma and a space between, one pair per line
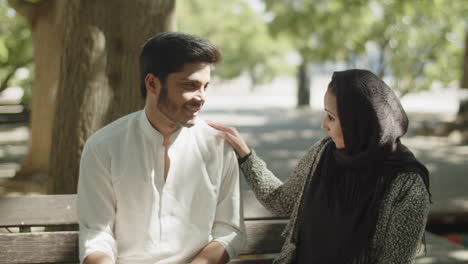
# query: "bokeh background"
68, 68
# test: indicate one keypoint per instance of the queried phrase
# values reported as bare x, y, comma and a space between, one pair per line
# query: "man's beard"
165, 106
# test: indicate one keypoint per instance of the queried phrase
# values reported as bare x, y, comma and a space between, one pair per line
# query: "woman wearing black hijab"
357, 196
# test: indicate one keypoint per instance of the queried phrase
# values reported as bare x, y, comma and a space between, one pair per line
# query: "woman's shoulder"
318, 147
409, 185
313, 152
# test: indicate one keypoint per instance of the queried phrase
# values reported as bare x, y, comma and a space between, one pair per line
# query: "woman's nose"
324, 126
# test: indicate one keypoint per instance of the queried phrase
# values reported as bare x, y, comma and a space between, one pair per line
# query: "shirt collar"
154, 134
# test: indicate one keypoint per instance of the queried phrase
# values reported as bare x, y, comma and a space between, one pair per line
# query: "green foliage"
420, 41
242, 35
417, 42
15, 46
322, 29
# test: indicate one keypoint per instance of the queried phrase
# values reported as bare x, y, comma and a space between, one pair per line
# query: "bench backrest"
264, 231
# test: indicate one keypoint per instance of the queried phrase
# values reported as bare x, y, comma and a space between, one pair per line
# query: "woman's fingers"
238, 144
232, 136
217, 126
221, 127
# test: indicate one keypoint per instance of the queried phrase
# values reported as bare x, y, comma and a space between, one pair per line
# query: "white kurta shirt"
127, 210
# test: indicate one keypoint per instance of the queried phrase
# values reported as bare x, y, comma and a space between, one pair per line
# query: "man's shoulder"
202, 127
115, 131
207, 137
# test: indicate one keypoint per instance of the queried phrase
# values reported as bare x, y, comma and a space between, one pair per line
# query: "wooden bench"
26, 217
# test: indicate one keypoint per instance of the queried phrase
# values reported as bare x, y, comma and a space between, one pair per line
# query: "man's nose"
201, 93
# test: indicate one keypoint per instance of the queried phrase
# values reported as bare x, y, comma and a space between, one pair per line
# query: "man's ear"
152, 84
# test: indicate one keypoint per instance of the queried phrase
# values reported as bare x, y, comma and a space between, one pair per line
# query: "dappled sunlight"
459, 254
13, 150
309, 133
236, 120
10, 134
452, 205
426, 260
282, 153
277, 136
462, 203
8, 169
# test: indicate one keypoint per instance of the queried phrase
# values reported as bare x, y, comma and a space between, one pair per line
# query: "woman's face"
331, 122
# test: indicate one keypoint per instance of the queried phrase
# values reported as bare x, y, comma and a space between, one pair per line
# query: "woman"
357, 196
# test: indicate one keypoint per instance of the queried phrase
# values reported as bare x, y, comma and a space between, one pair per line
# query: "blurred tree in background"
86, 75
461, 122
413, 44
419, 42
242, 34
322, 30
15, 48
416, 43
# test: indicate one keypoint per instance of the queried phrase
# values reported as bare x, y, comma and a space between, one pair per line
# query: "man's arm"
213, 253
228, 230
96, 209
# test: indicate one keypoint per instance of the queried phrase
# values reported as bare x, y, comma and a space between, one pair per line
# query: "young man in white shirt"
158, 185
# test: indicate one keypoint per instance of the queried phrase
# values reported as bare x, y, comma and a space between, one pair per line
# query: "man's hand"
213, 253
98, 258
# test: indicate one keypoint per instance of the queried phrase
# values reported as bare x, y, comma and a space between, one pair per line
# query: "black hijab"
342, 202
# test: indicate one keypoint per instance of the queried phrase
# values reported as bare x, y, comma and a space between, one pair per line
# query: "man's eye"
190, 86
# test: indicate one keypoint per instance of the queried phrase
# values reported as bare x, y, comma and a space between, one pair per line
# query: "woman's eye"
331, 118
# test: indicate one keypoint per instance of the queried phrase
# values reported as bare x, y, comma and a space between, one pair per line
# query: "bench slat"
62, 247
38, 210
264, 237
56, 247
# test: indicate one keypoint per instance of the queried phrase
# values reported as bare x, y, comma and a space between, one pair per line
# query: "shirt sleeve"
228, 228
95, 205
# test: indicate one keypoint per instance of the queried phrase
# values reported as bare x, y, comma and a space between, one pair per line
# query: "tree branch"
27, 9
8, 77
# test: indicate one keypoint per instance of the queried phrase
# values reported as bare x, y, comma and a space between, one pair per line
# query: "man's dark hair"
168, 52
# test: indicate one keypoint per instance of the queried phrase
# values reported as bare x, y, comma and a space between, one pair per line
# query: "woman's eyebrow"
328, 111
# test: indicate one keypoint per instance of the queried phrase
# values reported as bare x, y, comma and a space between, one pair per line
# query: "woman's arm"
275, 195
407, 221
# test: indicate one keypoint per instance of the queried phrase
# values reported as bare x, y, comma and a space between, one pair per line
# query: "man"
158, 185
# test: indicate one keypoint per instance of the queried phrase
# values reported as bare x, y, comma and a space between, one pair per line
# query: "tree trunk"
44, 18
303, 89
462, 116
99, 78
